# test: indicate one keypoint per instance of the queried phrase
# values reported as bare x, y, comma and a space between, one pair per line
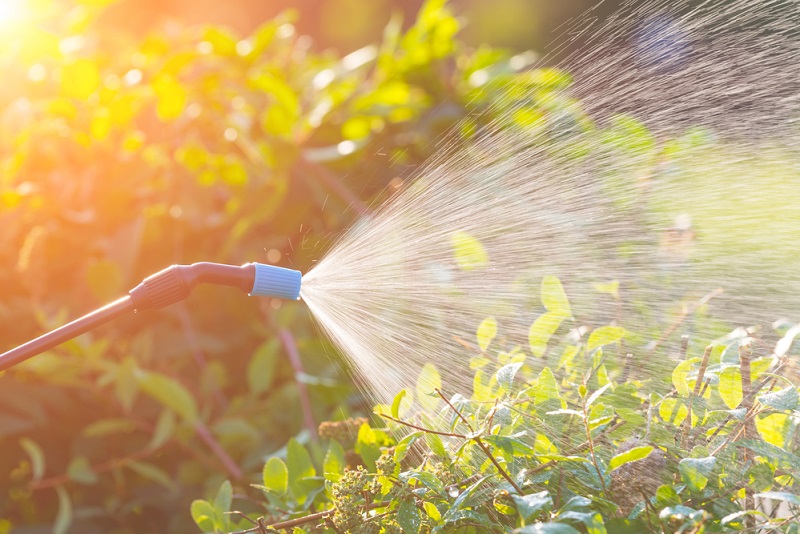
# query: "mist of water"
707, 199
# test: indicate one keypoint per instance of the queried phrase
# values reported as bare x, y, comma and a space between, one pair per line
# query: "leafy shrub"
582, 445
122, 155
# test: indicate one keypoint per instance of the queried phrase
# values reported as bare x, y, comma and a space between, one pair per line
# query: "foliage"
547, 446
120, 155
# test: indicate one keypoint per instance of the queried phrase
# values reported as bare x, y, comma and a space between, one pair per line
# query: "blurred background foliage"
134, 135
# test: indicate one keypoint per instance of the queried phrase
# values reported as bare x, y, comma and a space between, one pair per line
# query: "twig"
291, 523
209, 439
294, 357
422, 429
686, 313
749, 428
697, 385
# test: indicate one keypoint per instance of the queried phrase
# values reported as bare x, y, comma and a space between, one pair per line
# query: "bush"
584, 445
122, 155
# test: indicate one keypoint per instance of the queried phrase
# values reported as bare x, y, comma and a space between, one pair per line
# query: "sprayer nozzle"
277, 282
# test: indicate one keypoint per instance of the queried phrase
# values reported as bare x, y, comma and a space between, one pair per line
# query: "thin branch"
422, 429
297, 364
219, 451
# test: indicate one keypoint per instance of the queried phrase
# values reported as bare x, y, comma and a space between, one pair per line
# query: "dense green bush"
122, 155
587, 444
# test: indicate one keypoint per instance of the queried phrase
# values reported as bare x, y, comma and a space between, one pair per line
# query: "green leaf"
165, 426
632, 455
152, 472
542, 330
783, 496
408, 517
487, 331
506, 374
530, 505
80, 471
169, 393
367, 446
468, 251
397, 402
546, 387
554, 298
436, 445
695, 471
299, 466
64, 515
262, 366
222, 502
204, 515
429, 480
432, 511
785, 399
776, 456
334, 463
680, 374
596, 395
36, 455
275, 475
547, 528
605, 335
105, 427
730, 387
428, 380
737, 518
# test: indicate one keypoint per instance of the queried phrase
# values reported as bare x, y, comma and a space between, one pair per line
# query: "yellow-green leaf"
487, 331
542, 330
554, 298
730, 387
275, 475
605, 335
679, 375
632, 455
428, 380
468, 251
170, 393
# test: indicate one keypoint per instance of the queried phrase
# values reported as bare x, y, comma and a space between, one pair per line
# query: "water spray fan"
166, 287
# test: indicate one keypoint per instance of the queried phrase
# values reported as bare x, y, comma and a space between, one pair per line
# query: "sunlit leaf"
541, 331
554, 298
487, 331
530, 505
730, 387
696, 471
64, 515
428, 381
632, 455
334, 463
170, 393
468, 251
605, 335
36, 455
275, 475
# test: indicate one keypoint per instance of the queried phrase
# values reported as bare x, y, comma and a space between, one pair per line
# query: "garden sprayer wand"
166, 287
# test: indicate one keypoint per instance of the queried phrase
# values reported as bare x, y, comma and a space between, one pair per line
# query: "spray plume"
668, 165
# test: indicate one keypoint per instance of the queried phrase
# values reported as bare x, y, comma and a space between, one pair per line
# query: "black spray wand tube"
166, 287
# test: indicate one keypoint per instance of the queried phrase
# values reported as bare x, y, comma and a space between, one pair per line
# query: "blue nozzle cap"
277, 282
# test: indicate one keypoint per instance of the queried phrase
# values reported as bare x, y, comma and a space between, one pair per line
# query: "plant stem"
297, 364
